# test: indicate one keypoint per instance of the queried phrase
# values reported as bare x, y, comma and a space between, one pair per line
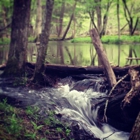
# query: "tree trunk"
99, 15
44, 39
101, 21
71, 18
105, 18
102, 55
135, 133
38, 19
60, 25
118, 18
132, 97
129, 17
18, 45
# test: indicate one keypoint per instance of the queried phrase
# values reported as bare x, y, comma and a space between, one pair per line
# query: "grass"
5, 41
110, 39
26, 124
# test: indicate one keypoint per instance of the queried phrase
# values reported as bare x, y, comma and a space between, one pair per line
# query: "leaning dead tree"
103, 57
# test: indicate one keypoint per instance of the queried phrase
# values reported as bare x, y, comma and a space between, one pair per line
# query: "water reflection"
81, 54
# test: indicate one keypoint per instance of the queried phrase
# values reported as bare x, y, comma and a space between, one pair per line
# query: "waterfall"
75, 101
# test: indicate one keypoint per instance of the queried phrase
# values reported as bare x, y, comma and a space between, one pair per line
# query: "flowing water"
75, 106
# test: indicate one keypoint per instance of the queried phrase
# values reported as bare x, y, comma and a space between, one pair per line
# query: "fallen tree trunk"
67, 70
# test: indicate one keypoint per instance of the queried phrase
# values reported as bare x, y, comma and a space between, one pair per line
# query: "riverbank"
108, 39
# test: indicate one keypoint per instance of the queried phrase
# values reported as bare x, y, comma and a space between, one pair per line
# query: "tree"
44, 38
70, 20
96, 7
131, 15
18, 45
60, 20
38, 19
118, 18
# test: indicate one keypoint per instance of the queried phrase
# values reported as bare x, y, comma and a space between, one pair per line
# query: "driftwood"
103, 57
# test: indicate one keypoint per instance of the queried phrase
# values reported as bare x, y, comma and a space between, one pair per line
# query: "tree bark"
60, 25
102, 55
105, 18
38, 19
71, 18
132, 97
135, 133
118, 18
44, 39
101, 20
129, 17
99, 14
18, 45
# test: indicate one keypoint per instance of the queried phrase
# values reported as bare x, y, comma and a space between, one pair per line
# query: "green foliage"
4, 41
14, 125
6, 3
31, 39
19, 124
110, 39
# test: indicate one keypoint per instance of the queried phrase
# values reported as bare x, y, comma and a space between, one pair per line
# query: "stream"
74, 100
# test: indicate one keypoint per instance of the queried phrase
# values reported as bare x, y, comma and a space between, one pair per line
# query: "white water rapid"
74, 106
85, 116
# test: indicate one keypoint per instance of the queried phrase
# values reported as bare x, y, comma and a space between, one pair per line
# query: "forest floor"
26, 124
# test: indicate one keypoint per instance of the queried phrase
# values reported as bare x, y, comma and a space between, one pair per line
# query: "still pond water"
80, 54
